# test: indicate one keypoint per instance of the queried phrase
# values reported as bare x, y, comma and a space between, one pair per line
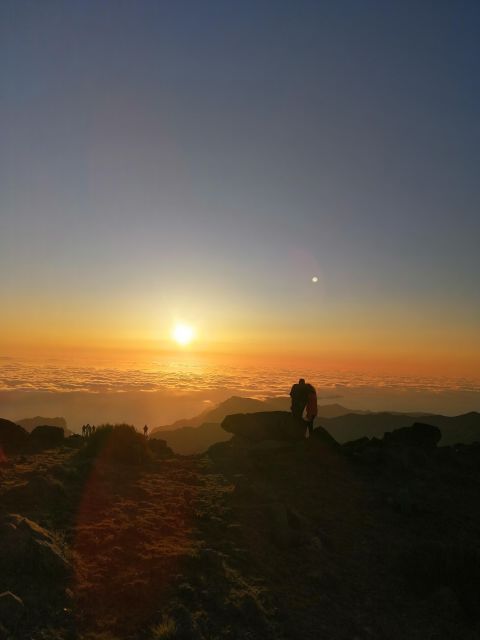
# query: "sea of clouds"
158, 392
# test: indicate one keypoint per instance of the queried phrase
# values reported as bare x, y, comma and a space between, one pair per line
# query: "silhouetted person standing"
145, 431
312, 407
298, 394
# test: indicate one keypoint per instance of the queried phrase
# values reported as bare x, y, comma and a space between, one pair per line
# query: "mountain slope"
235, 404
195, 435
464, 428
191, 440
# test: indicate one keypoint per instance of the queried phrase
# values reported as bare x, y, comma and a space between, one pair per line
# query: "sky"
202, 161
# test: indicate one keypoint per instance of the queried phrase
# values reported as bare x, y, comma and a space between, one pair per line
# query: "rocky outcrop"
28, 549
11, 610
27, 543
35, 574
46, 437
13, 438
160, 448
418, 435
400, 450
266, 425
29, 424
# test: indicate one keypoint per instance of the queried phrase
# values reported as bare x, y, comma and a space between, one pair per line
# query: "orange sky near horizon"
352, 343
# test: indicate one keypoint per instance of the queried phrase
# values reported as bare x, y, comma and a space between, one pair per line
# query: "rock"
265, 425
355, 447
220, 450
396, 459
270, 445
159, 447
36, 492
46, 437
29, 424
11, 609
13, 438
29, 547
365, 451
418, 435
321, 435
75, 442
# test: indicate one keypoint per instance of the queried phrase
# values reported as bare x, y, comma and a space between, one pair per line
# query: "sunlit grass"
164, 630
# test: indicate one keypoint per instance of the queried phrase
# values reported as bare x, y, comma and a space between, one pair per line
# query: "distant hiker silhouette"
299, 394
84, 431
145, 431
312, 407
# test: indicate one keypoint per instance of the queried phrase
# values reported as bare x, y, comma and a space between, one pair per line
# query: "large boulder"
13, 438
418, 435
11, 609
35, 567
265, 425
29, 424
28, 547
46, 437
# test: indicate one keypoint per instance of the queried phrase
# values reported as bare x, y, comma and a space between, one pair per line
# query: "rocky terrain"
266, 535
29, 424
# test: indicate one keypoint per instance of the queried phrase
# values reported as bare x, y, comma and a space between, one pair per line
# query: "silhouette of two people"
304, 400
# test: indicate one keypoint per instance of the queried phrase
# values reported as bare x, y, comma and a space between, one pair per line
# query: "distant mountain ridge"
239, 404
464, 428
195, 435
235, 404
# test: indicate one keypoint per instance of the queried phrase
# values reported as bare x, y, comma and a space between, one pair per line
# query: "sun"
183, 334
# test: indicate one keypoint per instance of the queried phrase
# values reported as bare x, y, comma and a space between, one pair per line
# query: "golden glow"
183, 334
353, 334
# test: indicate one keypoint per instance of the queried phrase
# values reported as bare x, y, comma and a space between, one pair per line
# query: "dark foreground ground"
285, 541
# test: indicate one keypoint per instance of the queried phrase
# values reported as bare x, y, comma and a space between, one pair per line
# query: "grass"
164, 630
